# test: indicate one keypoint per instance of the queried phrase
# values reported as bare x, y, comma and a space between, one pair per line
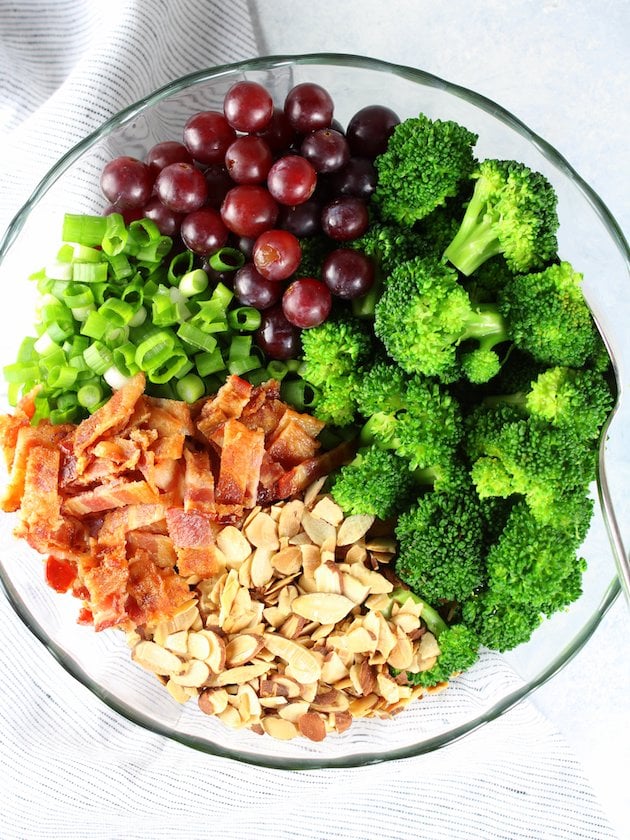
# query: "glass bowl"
589, 238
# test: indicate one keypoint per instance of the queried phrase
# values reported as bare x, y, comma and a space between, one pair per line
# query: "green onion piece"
59, 271
181, 304
65, 415
120, 266
139, 317
61, 330
207, 363
66, 253
118, 312
227, 259
299, 393
168, 369
67, 400
154, 350
95, 325
240, 347
86, 230
193, 282
257, 376
85, 254
163, 310
18, 373
116, 235
98, 357
179, 266
277, 369
196, 337
222, 295
115, 378
190, 388
75, 295
115, 335
44, 344
243, 365
90, 394
156, 250
26, 351
144, 231
244, 318
293, 365
42, 409
124, 357
61, 376
88, 272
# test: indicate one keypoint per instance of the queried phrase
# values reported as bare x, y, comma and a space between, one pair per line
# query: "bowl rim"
517, 695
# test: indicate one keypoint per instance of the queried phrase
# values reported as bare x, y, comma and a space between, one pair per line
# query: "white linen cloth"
70, 767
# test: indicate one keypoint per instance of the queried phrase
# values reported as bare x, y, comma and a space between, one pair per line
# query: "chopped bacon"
168, 417
198, 482
158, 546
109, 496
193, 539
241, 457
111, 417
291, 444
28, 437
296, 481
152, 591
228, 404
106, 581
118, 523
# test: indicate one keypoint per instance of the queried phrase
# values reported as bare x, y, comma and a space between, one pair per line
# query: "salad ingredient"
377, 482
252, 289
308, 106
348, 273
358, 177
512, 212
248, 160
181, 187
207, 136
369, 130
165, 153
126, 182
345, 218
325, 149
249, 210
248, 106
276, 254
291, 180
424, 163
306, 303
203, 231
277, 336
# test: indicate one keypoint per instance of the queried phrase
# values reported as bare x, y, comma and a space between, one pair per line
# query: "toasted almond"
245, 572
293, 710
262, 532
262, 569
377, 584
286, 686
310, 495
178, 692
318, 529
213, 701
333, 668
329, 511
275, 617
387, 688
287, 561
304, 665
356, 554
279, 728
428, 646
300, 539
240, 675
327, 577
177, 642
330, 700
198, 645
273, 702
157, 659
363, 706
195, 674
406, 621
234, 546
324, 607
293, 626
230, 717
340, 721
322, 632
382, 545
353, 589
228, 594
183, 618
353, 528
401, 655
216, 658
360, 640
249, 707
242, 649
312, 726
290, 518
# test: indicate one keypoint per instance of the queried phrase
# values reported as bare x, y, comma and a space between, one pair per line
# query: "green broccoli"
577, 399
412, 416
423, 316
424, 164
441, 545
458, 644
532, 571
314, 251
377, 482
334, 354
512, 212
549, 317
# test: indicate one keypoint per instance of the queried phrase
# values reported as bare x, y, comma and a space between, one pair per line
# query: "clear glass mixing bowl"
589, 238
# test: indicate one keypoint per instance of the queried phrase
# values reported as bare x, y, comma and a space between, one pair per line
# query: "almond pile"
298, 633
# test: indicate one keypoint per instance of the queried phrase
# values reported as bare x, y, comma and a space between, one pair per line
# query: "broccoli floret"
390, 244
512, 212
549, 317
334, 354
314, 251
441, 543
377, 482
515, 455
412, 416
488, 280
424, 164
458, 644
575, 399
423, 316
532, 571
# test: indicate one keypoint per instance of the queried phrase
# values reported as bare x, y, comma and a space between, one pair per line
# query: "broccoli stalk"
512, 212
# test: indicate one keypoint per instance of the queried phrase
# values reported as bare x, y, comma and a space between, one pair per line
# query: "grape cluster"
261, 178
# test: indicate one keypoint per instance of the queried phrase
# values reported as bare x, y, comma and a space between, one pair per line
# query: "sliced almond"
213, 701
177, 642
327, 577
240, 675
356, 554
329, 511
157, 659
216, 658
340, 721
401, 656
310, 495
195, 674
179, 693
234, 546
353, 528
305, 666
230, 717
262, 532
262, 568
353, 589
377, 584
199, 645
324, 607
290, 518
318, 529
333, 668
293, 626
294, 710
228, 594
249, 707
287, 561
279, 728
312, 726
387, 688
183, 618
242, 649
330, 700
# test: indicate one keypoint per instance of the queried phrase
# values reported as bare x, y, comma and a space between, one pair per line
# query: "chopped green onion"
154, 350
139, 317
116, 235
61, 376
90, 395
67, 400
95, 325
120, 266
196, 337
227, 259
299, 393
89, 272
124, 357
115, 378
179, 266
207, 363
118, 312
66, 415
193, 282
18, 373
242, 364
190, 388
98, 357
168, 369
244, 318
85, 254
163, 310
155, 250
277, 369
59, 271
144, 231
44, 344
86, 230
240, 347
257, 376
76, 295
222, 295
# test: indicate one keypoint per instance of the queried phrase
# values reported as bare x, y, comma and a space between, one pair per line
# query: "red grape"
248, 106
252, 289
163, 154
276, 254
207, 136
203, 231
348, 273
249, 210
291, 180
279, 134
248, 160
345, 218
301, 219
219, 184
276, 336
126, 182
306, 303
308, 106
181, 187
167, 220
369, 130
326, 150
358, 178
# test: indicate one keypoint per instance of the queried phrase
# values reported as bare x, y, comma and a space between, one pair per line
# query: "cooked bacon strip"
108, 496
106, 581
111, 417
118, 523
266, 416
298, 479
169, 447
228, 404
158, 546
153, 593
193, 539
168, 417
27, 438
41, 502
198, 482
292, 444
241, 458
